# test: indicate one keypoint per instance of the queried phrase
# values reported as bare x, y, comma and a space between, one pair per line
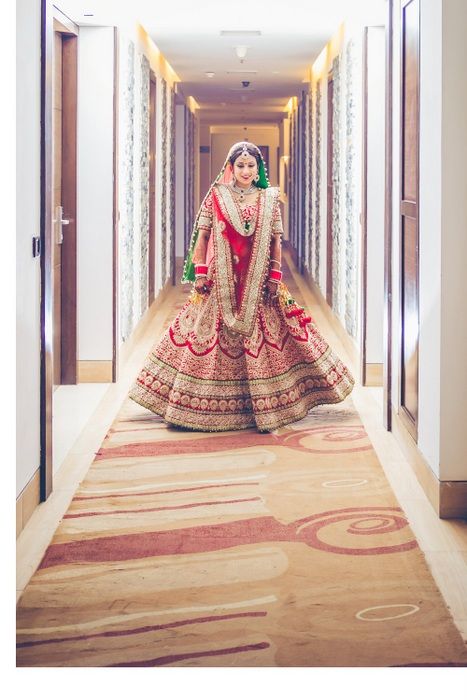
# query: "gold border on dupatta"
243, 321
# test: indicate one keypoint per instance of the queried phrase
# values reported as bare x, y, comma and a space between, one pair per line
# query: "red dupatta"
239, 283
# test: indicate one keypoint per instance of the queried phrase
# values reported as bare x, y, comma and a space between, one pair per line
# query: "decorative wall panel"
310, 226
126, 192
172, 184
144, 185
318, 183
351, 205
133, 178
336, 184
303, 183
163, 191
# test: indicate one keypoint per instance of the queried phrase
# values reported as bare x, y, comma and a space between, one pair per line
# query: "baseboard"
448, 498
27, 502
374, 374
95, 371
130, 344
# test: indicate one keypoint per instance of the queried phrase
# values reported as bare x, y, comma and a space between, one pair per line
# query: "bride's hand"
272, 287
201, 285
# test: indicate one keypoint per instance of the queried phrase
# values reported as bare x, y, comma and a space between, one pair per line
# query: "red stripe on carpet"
156, 493
164, 660
153, 510
142, 630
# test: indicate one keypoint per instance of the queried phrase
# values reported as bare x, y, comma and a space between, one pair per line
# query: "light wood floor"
443, 542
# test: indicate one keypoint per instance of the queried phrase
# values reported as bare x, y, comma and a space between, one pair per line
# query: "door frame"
388, 221
48, 14
407, 209
69, 291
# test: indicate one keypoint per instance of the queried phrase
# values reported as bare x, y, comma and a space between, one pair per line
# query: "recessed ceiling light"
241, 51
88, 14
210, 74
240, 32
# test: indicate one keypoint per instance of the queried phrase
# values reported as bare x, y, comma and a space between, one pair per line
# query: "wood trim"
448, 498
95, 371
364, 212
69, 291
116, 216
388, 204
27, 501
374, 374
46, 311
63, 23
407, 208
452, 499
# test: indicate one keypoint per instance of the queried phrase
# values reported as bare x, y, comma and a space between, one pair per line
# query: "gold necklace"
241, 192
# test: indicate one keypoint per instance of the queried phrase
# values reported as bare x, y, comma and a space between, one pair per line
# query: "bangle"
276, 261
274, 281
275, 275
201, 269
198, 277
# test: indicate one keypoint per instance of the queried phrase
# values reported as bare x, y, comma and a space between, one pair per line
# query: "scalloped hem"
262, 422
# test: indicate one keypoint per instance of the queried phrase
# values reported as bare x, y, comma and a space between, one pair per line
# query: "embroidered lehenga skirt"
231, 361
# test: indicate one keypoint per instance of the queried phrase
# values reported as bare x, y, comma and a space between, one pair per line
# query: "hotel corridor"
335, 541
237, 548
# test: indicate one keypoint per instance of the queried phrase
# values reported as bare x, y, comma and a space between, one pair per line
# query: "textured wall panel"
126, 193
351, 203
144, 185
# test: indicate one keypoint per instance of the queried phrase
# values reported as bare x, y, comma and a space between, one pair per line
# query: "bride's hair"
250, 148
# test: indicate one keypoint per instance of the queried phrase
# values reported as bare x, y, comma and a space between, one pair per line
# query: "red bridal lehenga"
235, 358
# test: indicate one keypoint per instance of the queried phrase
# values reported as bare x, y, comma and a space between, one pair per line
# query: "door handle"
59, 222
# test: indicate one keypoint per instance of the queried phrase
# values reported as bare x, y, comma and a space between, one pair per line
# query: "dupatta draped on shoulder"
239, 303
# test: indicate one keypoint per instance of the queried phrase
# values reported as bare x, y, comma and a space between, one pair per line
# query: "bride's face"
245, 169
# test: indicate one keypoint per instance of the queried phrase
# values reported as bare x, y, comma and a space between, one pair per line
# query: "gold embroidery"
243, 321
232, 211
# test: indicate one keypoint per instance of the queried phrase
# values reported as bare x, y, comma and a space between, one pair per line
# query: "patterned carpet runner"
235, 549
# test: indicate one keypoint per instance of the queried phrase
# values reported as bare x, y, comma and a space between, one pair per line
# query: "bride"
241, 353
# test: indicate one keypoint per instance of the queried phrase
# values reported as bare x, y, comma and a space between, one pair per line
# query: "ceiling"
290, 35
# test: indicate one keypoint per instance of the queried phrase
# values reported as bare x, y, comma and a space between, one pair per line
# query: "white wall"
95, 192
430, 231
28, 222
453, 332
